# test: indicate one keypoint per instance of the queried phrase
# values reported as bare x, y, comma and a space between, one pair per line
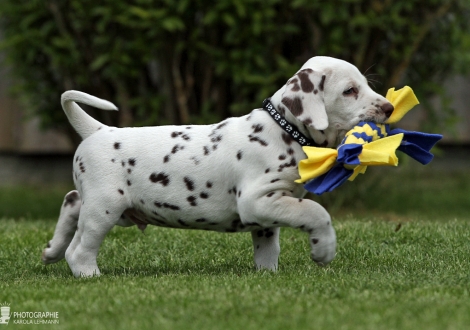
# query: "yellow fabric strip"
382, 151
379, 152
360, 169
318, 162
403, 100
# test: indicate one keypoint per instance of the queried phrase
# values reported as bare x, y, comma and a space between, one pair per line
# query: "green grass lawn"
402, 265
414, 278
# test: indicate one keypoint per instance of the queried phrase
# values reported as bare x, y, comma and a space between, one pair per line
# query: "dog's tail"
84, 124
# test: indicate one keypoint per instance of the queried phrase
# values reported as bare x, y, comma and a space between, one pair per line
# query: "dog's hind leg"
95, 221
266, 247
64, 230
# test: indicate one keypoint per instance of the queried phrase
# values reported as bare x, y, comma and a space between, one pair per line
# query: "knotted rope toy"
367, 144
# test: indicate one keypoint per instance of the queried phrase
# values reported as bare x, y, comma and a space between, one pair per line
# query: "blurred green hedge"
166, 61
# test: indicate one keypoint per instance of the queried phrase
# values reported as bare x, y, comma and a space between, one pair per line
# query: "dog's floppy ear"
303, 97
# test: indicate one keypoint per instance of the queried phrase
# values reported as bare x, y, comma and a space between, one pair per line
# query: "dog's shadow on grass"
182, 269
61, 270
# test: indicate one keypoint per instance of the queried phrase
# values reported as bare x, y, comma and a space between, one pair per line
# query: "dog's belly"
222, 224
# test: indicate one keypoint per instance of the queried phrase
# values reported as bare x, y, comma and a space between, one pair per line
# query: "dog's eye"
350, 91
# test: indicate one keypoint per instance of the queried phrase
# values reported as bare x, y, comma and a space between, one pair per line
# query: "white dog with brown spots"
234, 176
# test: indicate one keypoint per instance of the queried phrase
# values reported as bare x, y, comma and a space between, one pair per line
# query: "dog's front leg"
266, 247
277, 209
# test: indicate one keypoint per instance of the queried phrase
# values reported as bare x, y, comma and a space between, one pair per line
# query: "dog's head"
327, 97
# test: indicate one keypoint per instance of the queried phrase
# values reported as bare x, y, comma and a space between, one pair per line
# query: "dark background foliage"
199, 61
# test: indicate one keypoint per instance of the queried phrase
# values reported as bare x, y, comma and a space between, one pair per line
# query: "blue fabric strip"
417, 145
329, 181
349, 154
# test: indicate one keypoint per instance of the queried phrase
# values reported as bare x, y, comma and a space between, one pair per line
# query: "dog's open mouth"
374, 120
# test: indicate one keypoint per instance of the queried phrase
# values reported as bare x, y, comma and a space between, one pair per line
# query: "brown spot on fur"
322, 83
305, 83
181, 222
295, 88
257, 128
287, 138
166, 205
176, 148
292, 163
70, 199
192, 200
189, 183
216, 139
159, 178
294, 105
257, 139
221, 125
172, 207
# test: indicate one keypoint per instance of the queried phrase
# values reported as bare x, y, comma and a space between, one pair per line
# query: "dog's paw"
269, 267
323, 247
50, 255
85, 271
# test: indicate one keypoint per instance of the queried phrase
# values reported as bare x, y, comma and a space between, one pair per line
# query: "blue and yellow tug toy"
367, 144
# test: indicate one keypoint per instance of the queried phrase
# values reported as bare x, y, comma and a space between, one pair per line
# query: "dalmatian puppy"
234, 176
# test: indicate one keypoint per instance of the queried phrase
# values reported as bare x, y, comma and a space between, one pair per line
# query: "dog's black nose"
387, 108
